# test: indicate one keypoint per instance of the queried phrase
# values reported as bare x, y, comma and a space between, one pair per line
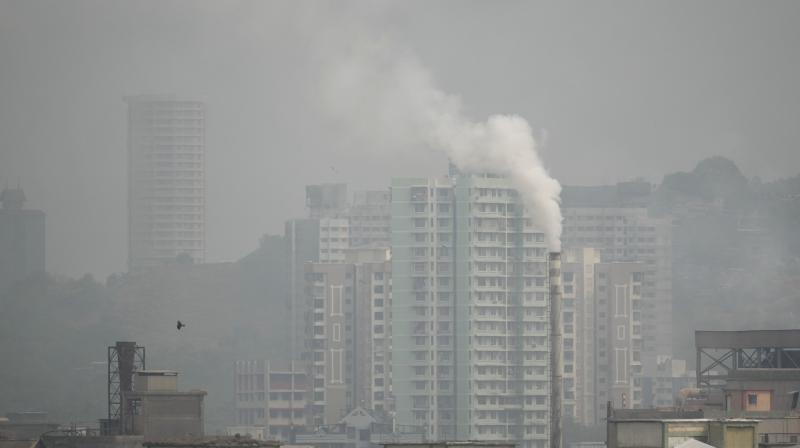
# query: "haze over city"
627, 89
246, 224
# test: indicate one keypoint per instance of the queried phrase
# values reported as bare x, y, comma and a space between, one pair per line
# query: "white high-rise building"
166, 181
470, 311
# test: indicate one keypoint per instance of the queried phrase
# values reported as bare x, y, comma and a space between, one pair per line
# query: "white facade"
166, 181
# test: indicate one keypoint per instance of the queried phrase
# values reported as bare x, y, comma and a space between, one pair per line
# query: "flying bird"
180, 325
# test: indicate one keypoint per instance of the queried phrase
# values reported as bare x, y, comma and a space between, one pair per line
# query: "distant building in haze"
615, 221
370, 217
22, 239
166, 181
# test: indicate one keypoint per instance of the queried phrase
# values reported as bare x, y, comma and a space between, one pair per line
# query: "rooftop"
212, 442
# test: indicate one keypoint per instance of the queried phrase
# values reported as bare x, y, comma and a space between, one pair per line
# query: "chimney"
555, 350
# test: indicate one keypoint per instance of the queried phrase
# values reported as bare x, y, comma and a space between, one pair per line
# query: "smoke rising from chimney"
386, 94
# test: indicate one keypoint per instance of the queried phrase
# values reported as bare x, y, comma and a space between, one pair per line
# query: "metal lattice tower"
124, 359
721, 354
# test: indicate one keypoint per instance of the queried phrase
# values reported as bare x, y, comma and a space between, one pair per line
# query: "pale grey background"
623, 89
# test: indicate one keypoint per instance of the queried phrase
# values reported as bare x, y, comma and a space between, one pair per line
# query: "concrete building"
602, 321
618, 351
302, 246
332, 227
166, 181
621, 229
155, 409
579, 327
373, 329
331, 289
271, 399
470, 341
22, 239
349, 334
323, 235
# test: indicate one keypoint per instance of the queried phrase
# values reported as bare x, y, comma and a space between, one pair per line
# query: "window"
337, 332
337, 367
336, 300
621, 305
760, 400
621, 359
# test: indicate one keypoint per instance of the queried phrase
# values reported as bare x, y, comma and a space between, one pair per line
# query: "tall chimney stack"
555, 350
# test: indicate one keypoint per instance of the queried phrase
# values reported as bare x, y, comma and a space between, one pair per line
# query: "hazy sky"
622, 88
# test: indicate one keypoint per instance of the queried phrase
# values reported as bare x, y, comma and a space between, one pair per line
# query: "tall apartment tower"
603, 335
349, 335
321, 236
619, 330
470, 334
166, 181
578, 319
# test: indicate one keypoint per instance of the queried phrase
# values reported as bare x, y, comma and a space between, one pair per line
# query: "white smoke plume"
385, 92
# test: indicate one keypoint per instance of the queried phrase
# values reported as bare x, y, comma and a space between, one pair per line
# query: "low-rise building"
156, 409
671, 433
271, 399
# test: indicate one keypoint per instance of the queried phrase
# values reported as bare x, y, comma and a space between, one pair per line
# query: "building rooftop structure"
749, 373
671, 432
